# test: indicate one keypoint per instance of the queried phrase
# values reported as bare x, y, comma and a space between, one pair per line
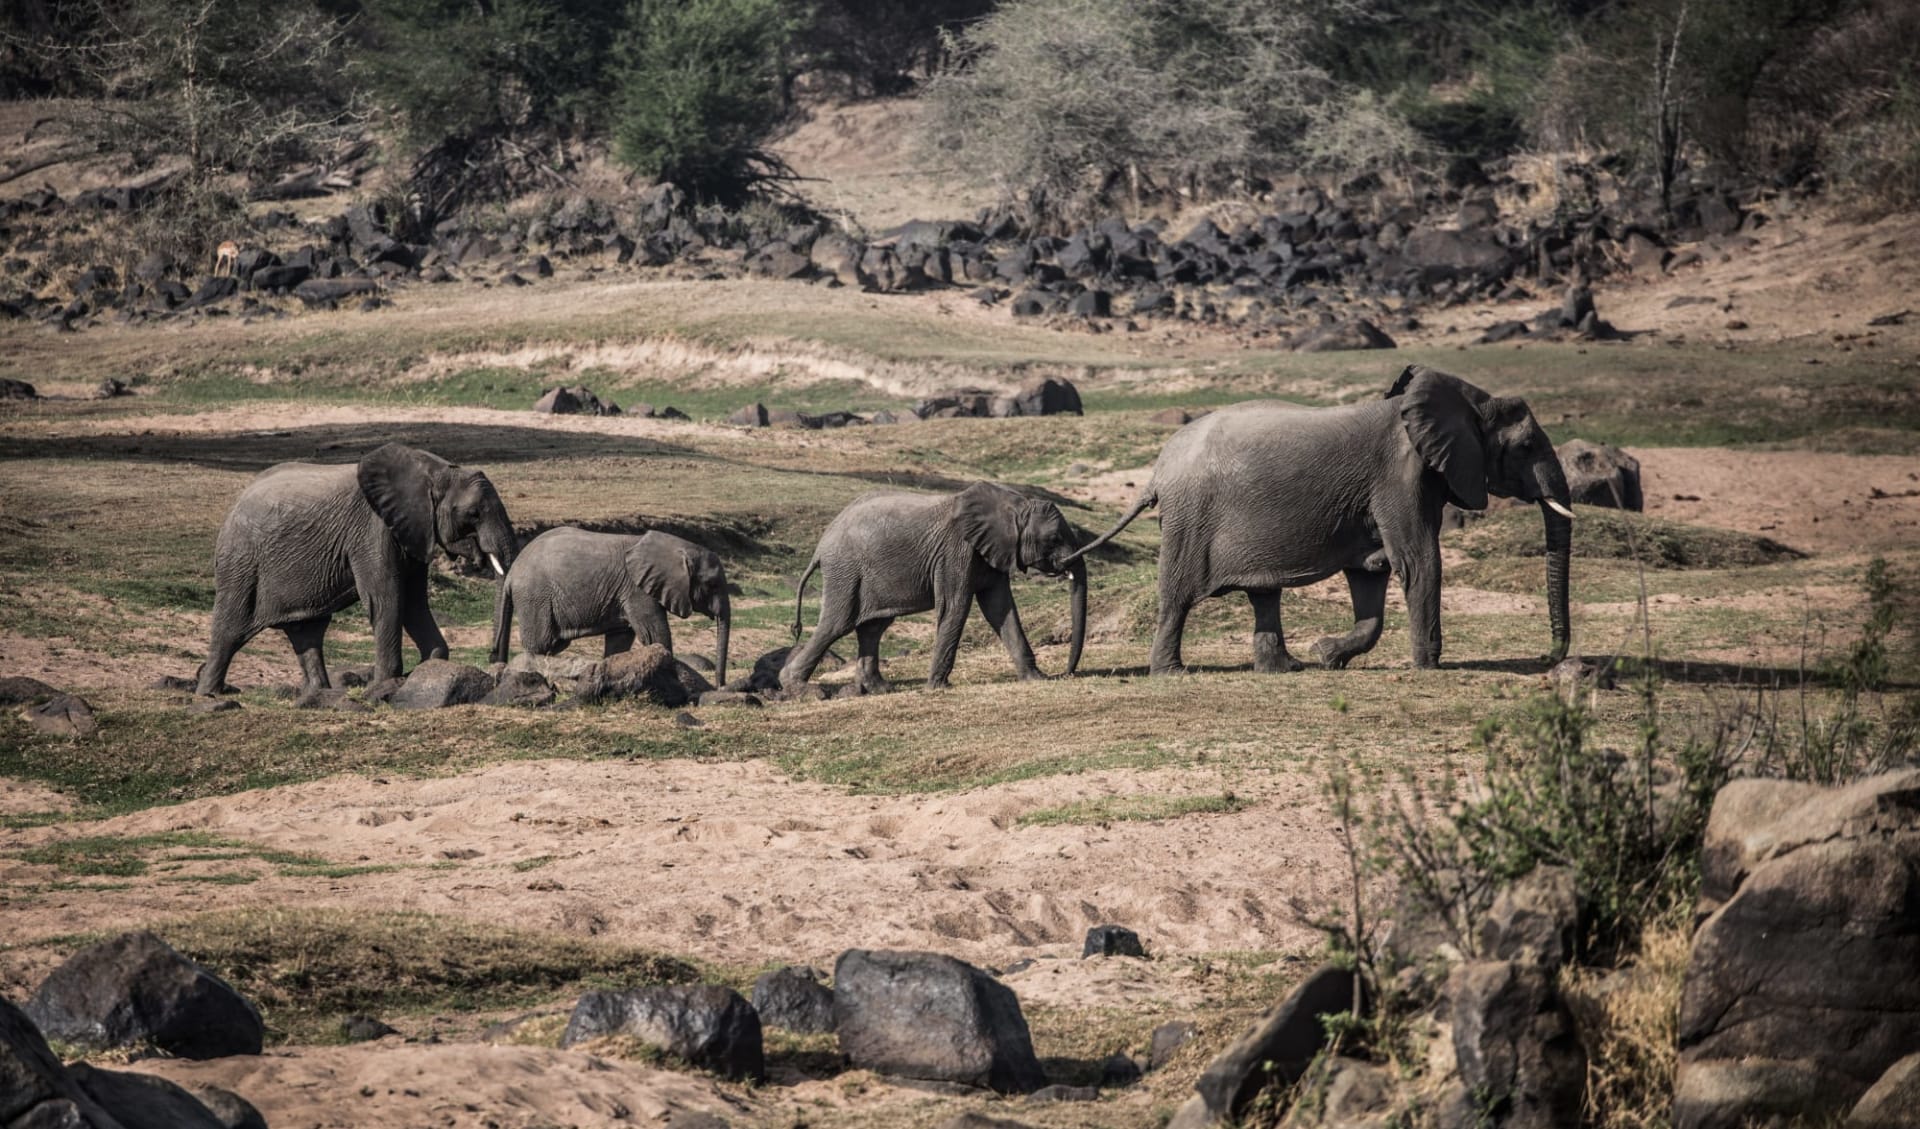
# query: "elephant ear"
401, 484
663, 571
1442, 417
988, 518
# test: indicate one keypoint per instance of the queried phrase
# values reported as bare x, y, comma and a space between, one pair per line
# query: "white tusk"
495, 561
1551, 504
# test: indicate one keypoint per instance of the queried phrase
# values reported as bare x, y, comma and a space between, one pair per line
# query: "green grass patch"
1124, 809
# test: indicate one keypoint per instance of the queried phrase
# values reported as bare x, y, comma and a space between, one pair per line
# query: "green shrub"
699, 90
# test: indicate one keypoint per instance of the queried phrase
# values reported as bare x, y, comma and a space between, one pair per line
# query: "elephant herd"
1253, 498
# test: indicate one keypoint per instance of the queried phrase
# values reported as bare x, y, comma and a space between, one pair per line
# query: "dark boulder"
1515, 1045
1893, 1102
1278, 1049
794, 999
1091, 304
1503, 331
144, 1101
364, 1029
135, 989
213, 290
707, 1025
838, 257
1166, 1041
927, 1016
1047, 396
19, 690
1112, 941
438, 683
572, 400
649, 673
325, 292
278, 277
1599, 474
11, 389
520, 688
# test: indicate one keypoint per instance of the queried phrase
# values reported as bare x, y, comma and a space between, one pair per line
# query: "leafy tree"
879, 45
1058, 102
230, 86
465, 69
699, 90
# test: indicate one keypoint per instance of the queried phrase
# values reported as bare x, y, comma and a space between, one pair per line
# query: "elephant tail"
800, 593
502, 621
1149, 498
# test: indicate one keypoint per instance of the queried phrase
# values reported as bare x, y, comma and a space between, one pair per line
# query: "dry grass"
1629, 1020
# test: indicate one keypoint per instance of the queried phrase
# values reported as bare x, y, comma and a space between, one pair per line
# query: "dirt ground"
741, 864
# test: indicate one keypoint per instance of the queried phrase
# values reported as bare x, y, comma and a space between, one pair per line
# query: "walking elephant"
305, 540
570, 584
891, 554
1268, 495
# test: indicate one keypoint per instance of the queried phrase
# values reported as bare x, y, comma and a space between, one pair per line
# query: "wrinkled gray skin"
306, 540
1267, 495
571, 584
891, 554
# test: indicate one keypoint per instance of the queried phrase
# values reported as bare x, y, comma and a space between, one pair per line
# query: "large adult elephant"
890, 554
1268, 495
305, 540
572, 584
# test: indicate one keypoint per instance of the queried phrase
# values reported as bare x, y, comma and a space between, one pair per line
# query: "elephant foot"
1330, 654
1169, 668
1285, 664
875, 686
937, 684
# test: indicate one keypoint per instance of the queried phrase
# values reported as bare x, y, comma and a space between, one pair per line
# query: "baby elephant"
891, 554
569, 584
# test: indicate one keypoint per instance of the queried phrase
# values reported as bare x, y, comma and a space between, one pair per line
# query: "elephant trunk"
1078, 570
497, 543
1559, 550
722, 627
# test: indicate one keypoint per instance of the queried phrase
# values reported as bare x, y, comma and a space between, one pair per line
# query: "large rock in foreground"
37, 1091
1274, 1052
1514, 1041
710, 1026
135, 989
927, 1016
1803, 987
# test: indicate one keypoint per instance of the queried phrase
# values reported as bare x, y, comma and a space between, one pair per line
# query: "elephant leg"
1368, 588
996, 605
950, 612
616, 643
867, 674
230, 633
647, 621
837, 614
416, 615
308, 638
1419, 567
1269, 641
1175, 603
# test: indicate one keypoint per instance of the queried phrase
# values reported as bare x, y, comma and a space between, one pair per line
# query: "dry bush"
1629, 1022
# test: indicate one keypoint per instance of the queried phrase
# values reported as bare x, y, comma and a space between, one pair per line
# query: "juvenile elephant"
305, 540
570, 584
1268, 495
891, 554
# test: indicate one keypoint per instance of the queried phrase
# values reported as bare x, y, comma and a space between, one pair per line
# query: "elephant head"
1013, 532
1482, 444
429, 501
685, 578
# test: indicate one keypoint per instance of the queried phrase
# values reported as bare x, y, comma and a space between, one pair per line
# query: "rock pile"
1318, 269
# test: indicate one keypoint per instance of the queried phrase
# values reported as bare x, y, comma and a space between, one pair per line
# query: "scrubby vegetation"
1069, 107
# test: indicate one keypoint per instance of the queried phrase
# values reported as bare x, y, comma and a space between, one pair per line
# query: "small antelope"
226, 260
